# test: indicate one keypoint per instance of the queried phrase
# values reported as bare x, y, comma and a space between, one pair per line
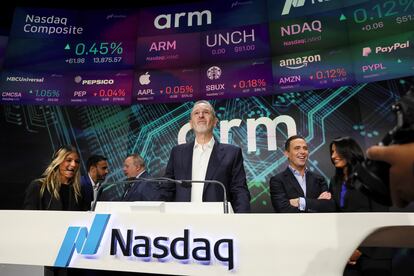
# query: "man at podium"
207, 159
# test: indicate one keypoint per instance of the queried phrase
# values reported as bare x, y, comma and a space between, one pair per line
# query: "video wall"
206, 50
260, 126
119, 82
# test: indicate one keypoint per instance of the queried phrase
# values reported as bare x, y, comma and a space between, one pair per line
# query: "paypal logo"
78, 238
366, 51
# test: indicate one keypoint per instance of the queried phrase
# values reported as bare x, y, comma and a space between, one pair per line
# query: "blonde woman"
59, 187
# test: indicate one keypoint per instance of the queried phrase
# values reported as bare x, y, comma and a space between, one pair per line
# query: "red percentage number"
341, 72
179, 89
112, 93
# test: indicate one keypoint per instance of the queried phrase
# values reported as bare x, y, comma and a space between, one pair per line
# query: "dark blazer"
33, 201
284, 187
142, 190
225, 165
87, 189
356, 201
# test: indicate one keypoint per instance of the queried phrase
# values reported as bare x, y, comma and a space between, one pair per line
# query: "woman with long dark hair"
345, 155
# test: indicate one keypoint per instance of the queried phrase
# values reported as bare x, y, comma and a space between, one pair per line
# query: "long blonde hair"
50, 178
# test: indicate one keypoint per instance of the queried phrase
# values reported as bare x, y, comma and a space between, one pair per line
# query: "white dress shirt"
201, 156
95, 187
302, 182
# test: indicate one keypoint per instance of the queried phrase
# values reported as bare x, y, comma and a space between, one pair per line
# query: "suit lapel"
309, 184
89, 188
214, 161
216, 156
294, 182
143, 175
337, 191
187, 160
138, 186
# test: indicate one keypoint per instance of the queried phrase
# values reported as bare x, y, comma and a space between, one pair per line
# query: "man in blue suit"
140, 189
207, 159
97, 166
297, 189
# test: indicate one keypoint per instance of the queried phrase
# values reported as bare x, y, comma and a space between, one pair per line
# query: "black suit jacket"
356, 201
225, 165
142, 190
33, 200
284, 187
87, 189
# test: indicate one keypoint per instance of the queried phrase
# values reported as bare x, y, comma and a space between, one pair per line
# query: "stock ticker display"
220, 50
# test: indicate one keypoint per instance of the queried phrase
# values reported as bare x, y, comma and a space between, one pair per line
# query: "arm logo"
78, 238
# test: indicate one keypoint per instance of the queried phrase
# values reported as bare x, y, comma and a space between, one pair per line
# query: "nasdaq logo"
297, 4
292, 3
78, 238
126, 244
182, 248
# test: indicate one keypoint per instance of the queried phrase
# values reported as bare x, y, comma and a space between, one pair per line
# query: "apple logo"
144, 79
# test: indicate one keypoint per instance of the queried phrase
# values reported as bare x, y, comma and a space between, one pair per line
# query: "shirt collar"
209, 145
296, 172
94, 185
140, 174
92, 182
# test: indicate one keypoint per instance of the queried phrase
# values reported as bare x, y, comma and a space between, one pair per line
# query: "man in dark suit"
207, 159
97, 166
141, 189
297, 189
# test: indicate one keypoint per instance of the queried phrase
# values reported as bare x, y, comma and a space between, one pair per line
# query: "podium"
162, 207
197, 244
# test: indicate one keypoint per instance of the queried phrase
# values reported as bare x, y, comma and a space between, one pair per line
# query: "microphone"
102, 187
183, 183
129, 181
188, 184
